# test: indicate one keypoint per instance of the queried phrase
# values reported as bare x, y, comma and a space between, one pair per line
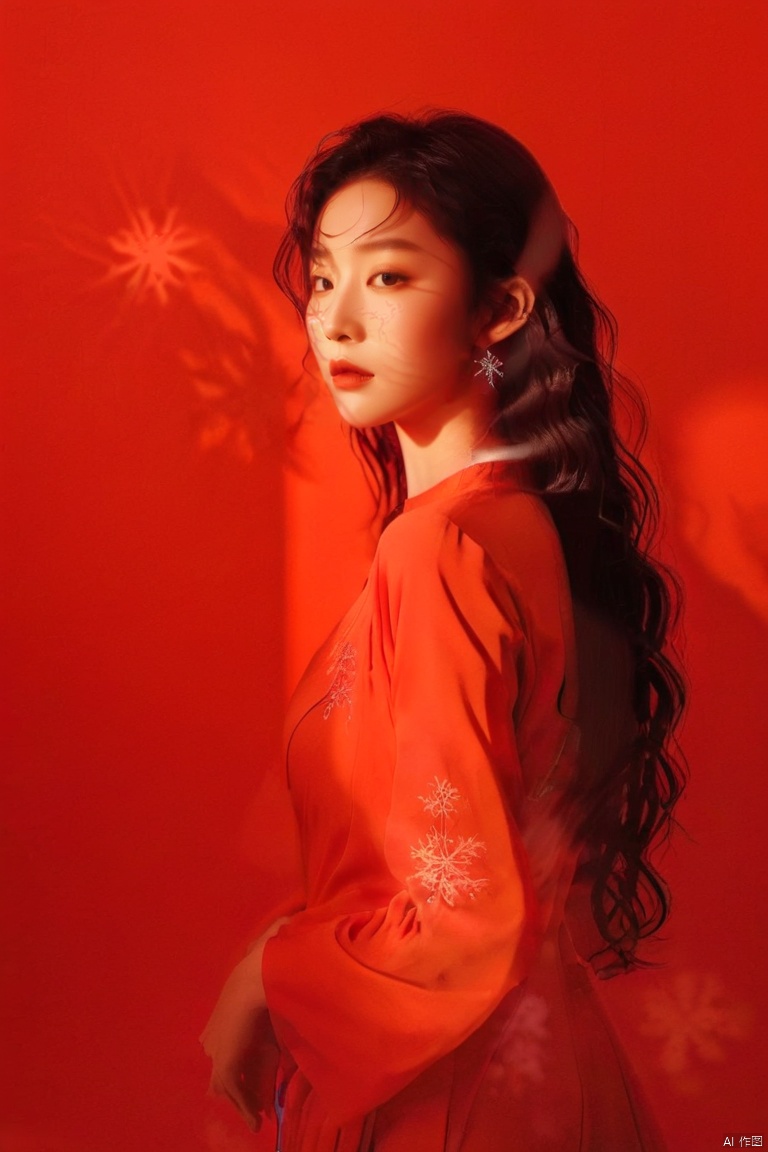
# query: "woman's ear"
512, 305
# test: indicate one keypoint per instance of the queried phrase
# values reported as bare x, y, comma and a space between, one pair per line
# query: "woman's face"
388, 315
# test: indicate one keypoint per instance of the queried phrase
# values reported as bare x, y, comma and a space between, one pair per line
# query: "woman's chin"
360, 421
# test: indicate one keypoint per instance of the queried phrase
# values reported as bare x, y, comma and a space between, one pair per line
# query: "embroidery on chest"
445, 861
342, 668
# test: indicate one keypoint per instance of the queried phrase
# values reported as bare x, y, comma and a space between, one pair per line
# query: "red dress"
428, 997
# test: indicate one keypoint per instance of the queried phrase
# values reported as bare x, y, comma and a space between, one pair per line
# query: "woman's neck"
430, 458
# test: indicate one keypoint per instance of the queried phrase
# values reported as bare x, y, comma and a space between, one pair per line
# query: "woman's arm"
365, 1001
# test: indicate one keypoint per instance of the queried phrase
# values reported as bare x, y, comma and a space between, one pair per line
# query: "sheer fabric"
429, 995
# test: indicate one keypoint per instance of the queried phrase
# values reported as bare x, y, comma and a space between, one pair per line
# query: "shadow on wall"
146, 632
721, 474
180, 261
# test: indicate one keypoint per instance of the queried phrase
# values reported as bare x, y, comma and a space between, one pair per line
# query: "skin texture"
391, 296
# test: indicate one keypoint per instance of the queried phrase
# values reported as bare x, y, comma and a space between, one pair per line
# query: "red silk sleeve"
365, 1001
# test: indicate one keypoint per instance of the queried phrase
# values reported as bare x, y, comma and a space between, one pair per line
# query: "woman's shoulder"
508, 528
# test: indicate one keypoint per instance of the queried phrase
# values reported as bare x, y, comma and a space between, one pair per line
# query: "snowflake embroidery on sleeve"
445, 861
342, 668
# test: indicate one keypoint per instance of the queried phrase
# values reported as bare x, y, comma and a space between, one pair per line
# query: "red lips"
340, 367
346, 375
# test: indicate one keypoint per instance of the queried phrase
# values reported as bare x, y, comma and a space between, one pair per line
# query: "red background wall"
165, 573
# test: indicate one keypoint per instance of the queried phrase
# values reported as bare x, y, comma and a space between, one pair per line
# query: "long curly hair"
485, 192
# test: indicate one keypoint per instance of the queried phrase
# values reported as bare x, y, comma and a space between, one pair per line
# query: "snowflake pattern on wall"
149, 256
693, 1019
172, 277
445, 861
342, 667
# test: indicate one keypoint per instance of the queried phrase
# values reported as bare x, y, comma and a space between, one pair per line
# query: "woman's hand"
240, 1041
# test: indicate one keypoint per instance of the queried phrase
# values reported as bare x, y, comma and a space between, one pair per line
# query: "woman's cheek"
315, 336
386, 323
312, 322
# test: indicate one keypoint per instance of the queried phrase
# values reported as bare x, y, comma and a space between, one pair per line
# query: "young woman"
479, 755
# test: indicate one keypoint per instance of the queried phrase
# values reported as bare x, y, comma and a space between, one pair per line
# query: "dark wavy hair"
484, 191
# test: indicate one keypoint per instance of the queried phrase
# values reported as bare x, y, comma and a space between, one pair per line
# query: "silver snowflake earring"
491, 366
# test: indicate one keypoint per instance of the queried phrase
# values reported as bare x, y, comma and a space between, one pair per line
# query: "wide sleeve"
365, 1001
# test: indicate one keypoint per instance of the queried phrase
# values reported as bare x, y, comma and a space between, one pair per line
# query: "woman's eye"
388, 279
320, 283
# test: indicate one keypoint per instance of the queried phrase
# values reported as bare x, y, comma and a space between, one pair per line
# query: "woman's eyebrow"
394, 242
320, 252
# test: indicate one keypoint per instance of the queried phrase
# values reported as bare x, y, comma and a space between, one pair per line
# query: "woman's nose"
342, 317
